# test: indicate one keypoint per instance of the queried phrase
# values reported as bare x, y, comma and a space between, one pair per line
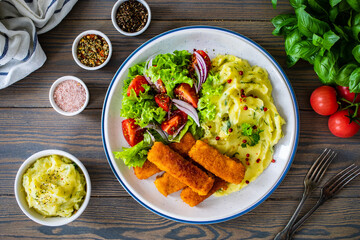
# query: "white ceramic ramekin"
76, 42
56, 107
21, 195
113, 18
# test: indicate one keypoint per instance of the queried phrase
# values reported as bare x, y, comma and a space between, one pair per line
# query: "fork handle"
306, 216
285, 233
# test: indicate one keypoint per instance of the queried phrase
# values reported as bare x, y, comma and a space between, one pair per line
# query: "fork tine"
338, 176
316, 163
324, 166
350, 176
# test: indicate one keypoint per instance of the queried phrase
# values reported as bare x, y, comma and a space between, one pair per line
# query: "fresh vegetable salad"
160, 101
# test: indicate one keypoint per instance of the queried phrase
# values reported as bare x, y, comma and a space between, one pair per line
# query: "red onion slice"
188, 109
198, 84
202, 65
151, 136
158, 129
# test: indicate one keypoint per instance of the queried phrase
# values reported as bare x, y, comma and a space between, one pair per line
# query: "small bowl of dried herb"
131, 17
92, 50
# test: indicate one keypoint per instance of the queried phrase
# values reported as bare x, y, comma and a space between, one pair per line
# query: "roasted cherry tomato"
177, 119
161, 86
345, 93
340, 125
187, 93
133, 133
323, 100
163, 101
205, 57
136, 84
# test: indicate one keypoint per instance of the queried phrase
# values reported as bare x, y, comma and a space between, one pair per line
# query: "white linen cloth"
20, 22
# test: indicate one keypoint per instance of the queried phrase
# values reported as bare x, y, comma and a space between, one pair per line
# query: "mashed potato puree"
54, 186
247, 124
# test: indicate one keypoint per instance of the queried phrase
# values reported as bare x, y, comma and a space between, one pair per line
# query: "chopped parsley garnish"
253, 135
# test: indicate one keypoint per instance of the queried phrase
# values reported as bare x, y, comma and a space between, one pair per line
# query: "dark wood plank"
25, 131
189, 10
33, 90
336, 219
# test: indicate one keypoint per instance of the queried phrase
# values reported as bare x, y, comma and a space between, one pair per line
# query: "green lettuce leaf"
136, 155
171, 69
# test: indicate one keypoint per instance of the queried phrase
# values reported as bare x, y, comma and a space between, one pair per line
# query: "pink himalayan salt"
70, 96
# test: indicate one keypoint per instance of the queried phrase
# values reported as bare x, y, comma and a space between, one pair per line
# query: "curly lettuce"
171, 68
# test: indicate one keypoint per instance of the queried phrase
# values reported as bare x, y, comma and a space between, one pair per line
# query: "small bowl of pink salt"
69, 95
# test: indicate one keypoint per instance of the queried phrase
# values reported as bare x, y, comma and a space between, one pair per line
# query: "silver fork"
331, 188
311, 181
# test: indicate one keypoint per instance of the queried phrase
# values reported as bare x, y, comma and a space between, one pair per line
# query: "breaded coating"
186, 143
219, 164
173, 163
167, 184
192, 198
146, 171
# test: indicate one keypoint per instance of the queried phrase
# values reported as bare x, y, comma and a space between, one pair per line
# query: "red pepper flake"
229, 81
254, 127
69, 95
242, 90
273, 161
258, 160
244, 141
209, 126
247, 155
247, 163
246, 159
256, 97
243, 96
241, 99
247, 181
265, 109
241, 72
217, 138
62, 179
245, 108
230, 129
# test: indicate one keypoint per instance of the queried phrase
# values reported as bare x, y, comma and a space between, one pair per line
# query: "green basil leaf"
297, 3
356, 31
343, 77
355, 20
354, 85
274, 3
291, 61
355, 4
341, 32
325, 67
317, 40
330, 38
356, 53
316, 6
309, 25
283, 24
292, 38
344, 6
303, 49
333, 3
333, 13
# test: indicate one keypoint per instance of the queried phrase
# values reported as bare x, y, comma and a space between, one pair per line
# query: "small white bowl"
113, 18
76, 42
21, 195
56, 107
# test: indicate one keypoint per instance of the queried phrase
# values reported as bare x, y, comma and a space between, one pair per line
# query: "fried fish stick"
185, 144
219, 164
167, 184
192, 198
146, 171
173, 163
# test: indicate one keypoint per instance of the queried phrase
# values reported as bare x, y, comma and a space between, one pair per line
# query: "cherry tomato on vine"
340, 125
323, 100
345, 93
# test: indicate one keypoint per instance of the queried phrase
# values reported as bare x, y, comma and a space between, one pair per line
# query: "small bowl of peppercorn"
131, 17
91, 50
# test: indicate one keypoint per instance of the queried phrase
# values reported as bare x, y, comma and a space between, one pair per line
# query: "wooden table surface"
28, 124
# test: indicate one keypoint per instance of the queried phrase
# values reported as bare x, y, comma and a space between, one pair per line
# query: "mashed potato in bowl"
241, 118
54, 186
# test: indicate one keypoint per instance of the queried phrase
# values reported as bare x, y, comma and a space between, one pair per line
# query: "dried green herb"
131, 16
92, 50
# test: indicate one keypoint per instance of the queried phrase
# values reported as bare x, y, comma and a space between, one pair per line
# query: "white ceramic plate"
214, 209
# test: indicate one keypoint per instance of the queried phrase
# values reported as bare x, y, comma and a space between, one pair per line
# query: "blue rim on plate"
297, 120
